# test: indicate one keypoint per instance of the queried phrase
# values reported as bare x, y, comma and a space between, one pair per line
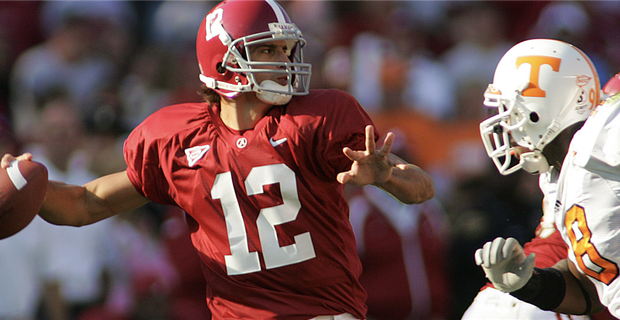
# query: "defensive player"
549, 248
587, 187
511, 94
259, 168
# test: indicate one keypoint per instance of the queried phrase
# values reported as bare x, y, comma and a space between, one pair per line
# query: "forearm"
409, 184
560, 290
65, 204
97, 200
578, 289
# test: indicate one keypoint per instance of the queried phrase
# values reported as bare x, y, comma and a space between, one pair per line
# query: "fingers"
8, 158
478, 257
528, 263
370, 142
343, 177
511, 248
370, 139
371, 147
497, 251
387, 144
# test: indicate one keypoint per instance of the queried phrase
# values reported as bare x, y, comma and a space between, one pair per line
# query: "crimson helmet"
612, 86
540, 88
223, 54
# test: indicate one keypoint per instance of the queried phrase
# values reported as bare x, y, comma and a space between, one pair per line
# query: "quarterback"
588, 183
260, 169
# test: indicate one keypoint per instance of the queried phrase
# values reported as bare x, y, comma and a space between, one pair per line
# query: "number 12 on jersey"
241, 260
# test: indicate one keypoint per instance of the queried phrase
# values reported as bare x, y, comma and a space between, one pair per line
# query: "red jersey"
402, 249
268, 218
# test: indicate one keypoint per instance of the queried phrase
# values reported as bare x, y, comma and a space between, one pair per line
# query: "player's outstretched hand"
505, 264
8, 158
370, 165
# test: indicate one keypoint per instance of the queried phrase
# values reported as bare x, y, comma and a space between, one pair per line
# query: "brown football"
23, 186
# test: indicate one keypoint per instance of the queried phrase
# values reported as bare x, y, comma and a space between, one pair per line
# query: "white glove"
505, 264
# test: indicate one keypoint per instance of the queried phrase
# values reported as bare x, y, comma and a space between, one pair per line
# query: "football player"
260, 169
511, 90
543, 91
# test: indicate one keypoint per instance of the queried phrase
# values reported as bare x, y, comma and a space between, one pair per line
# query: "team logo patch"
196, 153
583, 80
242, 143
275, 143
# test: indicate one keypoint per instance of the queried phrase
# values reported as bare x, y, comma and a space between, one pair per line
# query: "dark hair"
209, 95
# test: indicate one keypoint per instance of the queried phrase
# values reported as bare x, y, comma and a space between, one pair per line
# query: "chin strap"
271, 96
534, 162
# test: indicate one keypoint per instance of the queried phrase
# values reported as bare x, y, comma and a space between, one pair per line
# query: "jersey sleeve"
344, 126
144, 150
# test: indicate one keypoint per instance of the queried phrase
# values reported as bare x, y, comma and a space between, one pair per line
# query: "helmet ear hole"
534, 117
220, 68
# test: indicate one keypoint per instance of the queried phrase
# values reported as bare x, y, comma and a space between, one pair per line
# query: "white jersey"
587, 208
548, 183
492, 304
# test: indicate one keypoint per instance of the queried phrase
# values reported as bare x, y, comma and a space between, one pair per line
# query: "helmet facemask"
496, 131
512, 132
238, 61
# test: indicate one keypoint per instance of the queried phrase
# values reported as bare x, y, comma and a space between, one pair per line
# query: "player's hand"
371, 165
505, 264
8, 158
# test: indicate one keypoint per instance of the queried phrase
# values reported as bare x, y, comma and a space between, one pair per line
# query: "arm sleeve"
142, 155
344, 127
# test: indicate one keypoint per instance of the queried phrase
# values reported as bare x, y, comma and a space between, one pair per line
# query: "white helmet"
540, 88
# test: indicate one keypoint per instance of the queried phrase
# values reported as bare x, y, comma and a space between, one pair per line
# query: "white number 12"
241, 260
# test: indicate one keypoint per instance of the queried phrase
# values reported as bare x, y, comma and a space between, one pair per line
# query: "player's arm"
407, 182
101, 198
580, 293
561, 288
75, 205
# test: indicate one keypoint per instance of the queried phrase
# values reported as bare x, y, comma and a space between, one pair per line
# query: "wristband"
545, 289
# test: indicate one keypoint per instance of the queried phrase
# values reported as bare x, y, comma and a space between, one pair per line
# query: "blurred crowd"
77, 76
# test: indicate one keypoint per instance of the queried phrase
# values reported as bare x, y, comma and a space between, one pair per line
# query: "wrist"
545, 289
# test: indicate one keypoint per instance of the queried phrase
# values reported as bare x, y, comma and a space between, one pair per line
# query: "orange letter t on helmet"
533, 90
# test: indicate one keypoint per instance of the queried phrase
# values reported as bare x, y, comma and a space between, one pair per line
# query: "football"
23, 186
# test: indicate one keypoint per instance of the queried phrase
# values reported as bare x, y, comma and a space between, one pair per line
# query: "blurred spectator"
427, 88
145, 88
571, 22
478, 33
482, 207
151, 274
403, 252
72, 59
77, 260
20, 255
19, 30
21, 271
319, 36
392, 68
169, 21
605, 22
